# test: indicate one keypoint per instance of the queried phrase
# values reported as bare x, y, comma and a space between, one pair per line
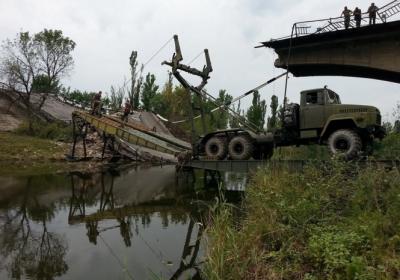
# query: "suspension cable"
195, 57
144, 65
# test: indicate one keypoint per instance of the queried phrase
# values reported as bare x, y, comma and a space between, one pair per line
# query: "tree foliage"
219, 118
136, 83
236, 119
149, 90
272, 121
256, 112
32, 63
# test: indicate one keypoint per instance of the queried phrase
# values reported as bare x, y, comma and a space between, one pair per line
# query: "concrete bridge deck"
371, 51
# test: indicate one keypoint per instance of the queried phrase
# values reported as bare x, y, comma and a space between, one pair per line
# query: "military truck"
320, 118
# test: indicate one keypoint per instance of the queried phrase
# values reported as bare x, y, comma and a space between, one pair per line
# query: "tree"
28, 58
149, 90
272, 121
117, 96
136, 83
41, 84
219, 118
256, 112
234, 122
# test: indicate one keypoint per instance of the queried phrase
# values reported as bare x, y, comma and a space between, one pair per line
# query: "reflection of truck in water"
319, 119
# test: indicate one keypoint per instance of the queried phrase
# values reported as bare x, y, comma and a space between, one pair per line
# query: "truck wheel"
241, 148
344, 142
263, 155
217, 146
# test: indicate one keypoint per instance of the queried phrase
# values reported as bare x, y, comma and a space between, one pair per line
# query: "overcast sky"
106, 32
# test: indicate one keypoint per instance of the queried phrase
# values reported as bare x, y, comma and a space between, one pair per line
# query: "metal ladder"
389, 10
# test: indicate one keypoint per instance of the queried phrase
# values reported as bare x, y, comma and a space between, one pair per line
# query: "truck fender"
331, 121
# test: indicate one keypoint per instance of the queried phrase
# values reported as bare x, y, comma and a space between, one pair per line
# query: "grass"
22, 155
332, 221
20, 147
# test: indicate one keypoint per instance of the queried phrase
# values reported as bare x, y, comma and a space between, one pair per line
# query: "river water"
129, 222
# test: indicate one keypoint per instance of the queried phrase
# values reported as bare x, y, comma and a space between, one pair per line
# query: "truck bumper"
376, 131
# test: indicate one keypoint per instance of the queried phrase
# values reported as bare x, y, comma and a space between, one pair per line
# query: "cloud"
107, 32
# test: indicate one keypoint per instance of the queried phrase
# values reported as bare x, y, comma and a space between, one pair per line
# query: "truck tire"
217, 146
345, 143
263, 155
241, 148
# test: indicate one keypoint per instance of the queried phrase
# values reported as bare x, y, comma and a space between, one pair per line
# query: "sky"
106, 32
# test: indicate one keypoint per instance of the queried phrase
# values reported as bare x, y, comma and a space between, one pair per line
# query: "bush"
332, 220
55, 131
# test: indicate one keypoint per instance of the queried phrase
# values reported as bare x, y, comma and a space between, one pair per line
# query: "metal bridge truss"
127, 133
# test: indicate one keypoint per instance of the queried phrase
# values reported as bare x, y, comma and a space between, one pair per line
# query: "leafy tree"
235, 122
149, 90
219, 118
159, 102
272, 121
25, 60
117, 96
256, 112
41, 84
136, 83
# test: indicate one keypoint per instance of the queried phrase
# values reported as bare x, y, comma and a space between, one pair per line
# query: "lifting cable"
238, 117
144, 65
195, 57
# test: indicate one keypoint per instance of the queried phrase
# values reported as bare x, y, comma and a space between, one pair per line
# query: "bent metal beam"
366, 52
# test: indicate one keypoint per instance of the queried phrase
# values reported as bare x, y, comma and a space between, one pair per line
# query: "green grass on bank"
336, 221
22, 155
21, 147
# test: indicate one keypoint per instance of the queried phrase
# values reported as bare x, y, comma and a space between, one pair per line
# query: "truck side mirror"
320, 98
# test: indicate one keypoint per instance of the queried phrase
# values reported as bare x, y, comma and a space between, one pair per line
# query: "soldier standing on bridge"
96, 104
372, 13
357, 16
127, 110
346, 12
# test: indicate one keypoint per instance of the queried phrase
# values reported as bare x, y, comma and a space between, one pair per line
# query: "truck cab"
316, 107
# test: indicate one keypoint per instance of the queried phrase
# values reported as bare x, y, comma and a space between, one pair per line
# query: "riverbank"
334, 222
22, 155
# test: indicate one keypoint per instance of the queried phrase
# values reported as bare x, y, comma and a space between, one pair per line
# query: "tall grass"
331, 221
54, 131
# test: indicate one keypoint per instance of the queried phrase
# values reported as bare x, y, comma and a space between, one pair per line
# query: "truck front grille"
354, 110
378, 119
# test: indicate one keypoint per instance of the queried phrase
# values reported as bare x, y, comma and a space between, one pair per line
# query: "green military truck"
321, 118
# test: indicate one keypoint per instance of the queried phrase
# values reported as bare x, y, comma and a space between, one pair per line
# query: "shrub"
331, 220
55, 130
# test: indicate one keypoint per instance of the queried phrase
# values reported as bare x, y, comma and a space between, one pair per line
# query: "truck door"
313, 111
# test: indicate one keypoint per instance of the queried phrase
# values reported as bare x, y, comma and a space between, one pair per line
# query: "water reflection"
28, 248
126, 222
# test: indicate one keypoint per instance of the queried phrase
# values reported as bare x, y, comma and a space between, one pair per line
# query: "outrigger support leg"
212, 178
79, 130
204, 74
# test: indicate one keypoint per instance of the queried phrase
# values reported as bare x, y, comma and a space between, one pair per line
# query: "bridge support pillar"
212, 178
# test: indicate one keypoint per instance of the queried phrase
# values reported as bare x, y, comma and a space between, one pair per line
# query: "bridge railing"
337, 23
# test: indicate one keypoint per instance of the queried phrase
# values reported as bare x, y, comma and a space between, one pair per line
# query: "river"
129, 222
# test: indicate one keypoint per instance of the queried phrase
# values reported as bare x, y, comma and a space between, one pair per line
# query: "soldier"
96, 104
372, 13
357, 16
127, 110
346, 12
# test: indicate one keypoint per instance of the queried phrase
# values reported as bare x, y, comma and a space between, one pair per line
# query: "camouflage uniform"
127, 111
346, 12
357, 16
372, 13
96, 104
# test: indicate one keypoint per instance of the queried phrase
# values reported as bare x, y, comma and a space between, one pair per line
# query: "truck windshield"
332, 97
